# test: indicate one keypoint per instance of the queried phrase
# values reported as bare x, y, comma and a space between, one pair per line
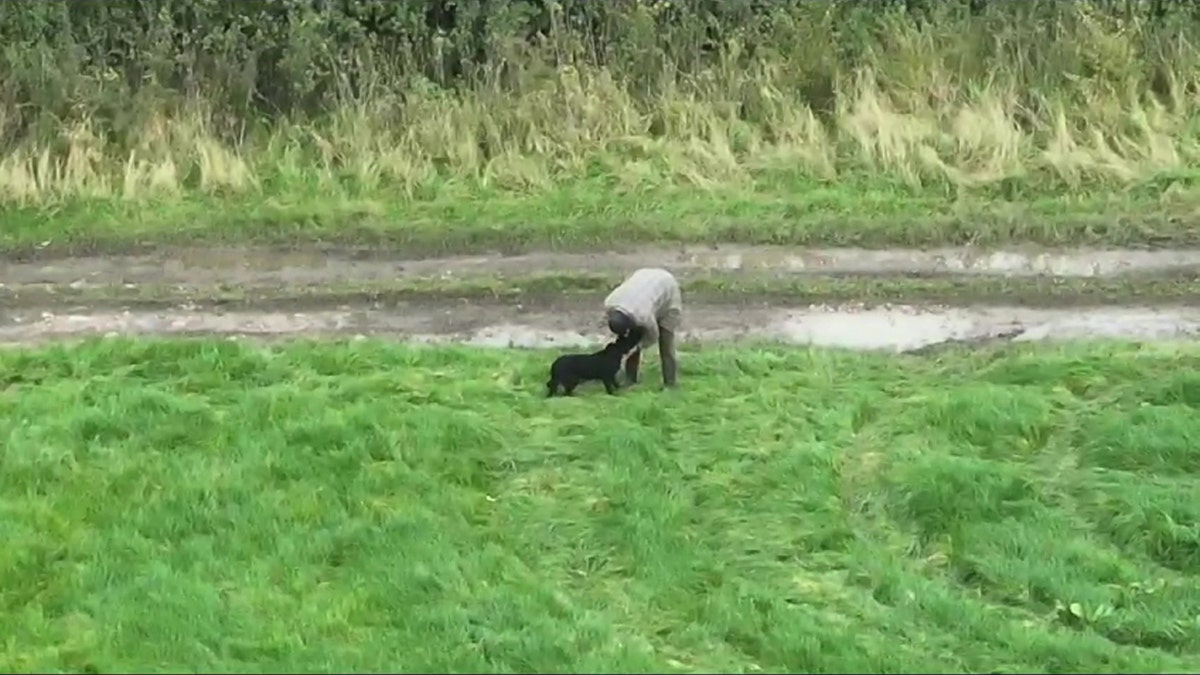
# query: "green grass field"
214, 506
589, 215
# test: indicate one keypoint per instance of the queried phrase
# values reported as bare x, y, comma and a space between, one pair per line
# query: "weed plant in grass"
210, 506
833, 122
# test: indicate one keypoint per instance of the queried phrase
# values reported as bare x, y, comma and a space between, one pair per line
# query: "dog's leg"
611, 386
569, 387
551, 388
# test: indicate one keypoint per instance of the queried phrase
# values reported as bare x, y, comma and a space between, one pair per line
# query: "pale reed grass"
910, 116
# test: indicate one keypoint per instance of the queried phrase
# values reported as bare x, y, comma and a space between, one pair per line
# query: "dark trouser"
666, 351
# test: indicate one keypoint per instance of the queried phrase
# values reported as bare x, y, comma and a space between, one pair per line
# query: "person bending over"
648, 303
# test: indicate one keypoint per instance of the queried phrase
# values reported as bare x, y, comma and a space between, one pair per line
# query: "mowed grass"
215, 506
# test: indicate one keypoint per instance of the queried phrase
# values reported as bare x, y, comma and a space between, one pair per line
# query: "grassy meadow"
214, 506
820, 123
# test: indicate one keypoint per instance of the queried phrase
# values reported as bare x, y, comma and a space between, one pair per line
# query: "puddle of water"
1141, 324
878, 329
900, 328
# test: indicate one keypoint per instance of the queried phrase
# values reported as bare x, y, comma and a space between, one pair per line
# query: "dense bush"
138, 97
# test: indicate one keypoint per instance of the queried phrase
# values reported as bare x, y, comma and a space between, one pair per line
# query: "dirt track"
901, 328
569, 322
205, 267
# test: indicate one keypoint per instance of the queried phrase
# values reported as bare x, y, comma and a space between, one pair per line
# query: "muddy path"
207, 267
896, 328
193, 278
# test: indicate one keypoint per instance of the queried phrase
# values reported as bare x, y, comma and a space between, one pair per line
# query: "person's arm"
649, 335
634, 361
632, 364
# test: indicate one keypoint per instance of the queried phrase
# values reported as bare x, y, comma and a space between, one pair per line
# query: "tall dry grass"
1083, 100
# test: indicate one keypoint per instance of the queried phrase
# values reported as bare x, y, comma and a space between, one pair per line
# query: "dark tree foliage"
291, 56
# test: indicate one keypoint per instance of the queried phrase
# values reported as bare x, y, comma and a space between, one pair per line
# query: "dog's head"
623, 344
614, 348
630, 339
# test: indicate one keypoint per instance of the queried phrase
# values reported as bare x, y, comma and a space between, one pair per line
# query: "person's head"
620, 323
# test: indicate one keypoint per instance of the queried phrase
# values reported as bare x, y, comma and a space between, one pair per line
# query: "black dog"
568, 371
